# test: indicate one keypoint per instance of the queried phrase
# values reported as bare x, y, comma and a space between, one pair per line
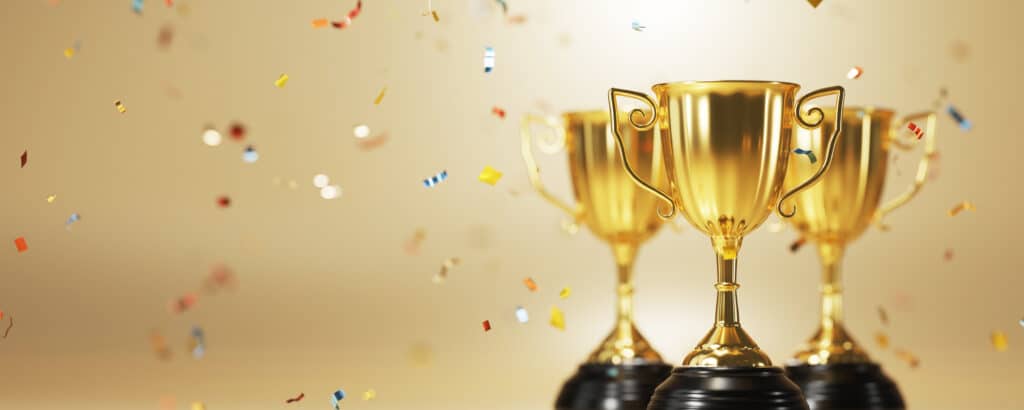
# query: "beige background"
327, 297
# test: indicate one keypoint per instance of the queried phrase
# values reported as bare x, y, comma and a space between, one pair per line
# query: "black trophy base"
861, 386
727, 388
611, 386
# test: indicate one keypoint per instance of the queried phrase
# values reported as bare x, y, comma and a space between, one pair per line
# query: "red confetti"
351, 15
224, 201
499, 112
487, 325
184, 303
948, 255
21, 244
166, 36
24, 158
530, 284
296, 398
169, 3
237, 131
916, 130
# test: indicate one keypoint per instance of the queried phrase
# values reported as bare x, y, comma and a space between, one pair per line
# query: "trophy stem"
727, 311
625, 258
831, 286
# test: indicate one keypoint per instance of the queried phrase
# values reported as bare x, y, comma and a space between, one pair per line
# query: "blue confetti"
436, 179
637, 26
488, 59
250, 155
808, 153
964, 124
72, 219
137, 6
338, 395
199, 349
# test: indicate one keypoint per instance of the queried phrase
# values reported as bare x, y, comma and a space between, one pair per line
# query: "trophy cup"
833, 371
727, 148
623, 371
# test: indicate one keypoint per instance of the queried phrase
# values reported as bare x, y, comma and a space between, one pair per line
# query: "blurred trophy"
623, 371
726, 147
831, 368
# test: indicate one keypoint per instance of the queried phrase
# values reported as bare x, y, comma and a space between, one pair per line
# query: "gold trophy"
624, 370
726, 146
833, 370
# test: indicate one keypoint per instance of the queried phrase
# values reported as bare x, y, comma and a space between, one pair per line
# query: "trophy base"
727, 388
855, 386
598, 386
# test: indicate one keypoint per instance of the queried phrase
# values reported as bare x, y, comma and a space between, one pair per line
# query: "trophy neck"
831, 343
625, 344
727, 344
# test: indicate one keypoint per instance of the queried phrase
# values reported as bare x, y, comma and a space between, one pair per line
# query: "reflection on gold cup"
610, 205
844, 203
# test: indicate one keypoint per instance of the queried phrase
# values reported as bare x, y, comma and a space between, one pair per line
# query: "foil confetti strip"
348, 18
964, 124
916, 130
436, 179
336, 397
963, 206
296, 398
808, 153
380, 97
24, 158
488, 59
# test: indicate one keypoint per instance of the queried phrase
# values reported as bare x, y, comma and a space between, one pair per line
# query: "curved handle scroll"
830, 149
531, 163
922, 167
635, 118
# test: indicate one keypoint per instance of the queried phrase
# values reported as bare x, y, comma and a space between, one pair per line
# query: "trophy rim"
864, 108
600, 113
712, 82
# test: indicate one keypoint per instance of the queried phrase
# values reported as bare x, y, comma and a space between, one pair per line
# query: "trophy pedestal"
727, 388
860, 386
611, 386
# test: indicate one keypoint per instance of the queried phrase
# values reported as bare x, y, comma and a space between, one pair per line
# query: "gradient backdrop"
328, 299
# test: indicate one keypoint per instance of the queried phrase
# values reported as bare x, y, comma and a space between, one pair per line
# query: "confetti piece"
412, 246
72, 219
220, 277
963, 206
909, 358
223, 202
183, 303
564, 294
522, 315
948, 256
883, 316
489, 176
159, 345
348, 18
237, 131
1022, 322
166, 37
999, 341
487, 325
330, 192
281, 81
795, 246
211, 137
380, 97
447, 265
361, 131
137, 6
814, 3
198, 406
24, 158
197, 343
516, 19
436, 179
570, 227
295, 399
372, 143
499, 112
882, 339
437, 18
319, 23
369, 395
855, 73
336, 397
530, 284
20, 243
488, 59
557, 318
504, 6
120, 107
916, 130
964, 124
809, 154
637, 26
9, 326
169, 3
321, 180
250, 155
69, 52
1, 315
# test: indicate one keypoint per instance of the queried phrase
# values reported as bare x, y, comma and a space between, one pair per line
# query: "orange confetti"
20, 243
319, 23
499, 112
963, 206
530, 284
882, 339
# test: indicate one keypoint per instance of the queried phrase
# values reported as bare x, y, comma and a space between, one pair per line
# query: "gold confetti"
490, 176
51, 198
281, 81
999, 341
909, 358
883, 316
120, 107
445, 267
69, 52
963, 206
814, 3
434, 13
882, 339
198, 406
369, 395
564, 294
380, 97
557, 318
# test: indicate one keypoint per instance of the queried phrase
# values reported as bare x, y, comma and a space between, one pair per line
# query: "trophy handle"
830, 149
636, 113
531, 163
922, 167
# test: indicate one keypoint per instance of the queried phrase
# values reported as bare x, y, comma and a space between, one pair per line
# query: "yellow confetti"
51, 198
814, 3
69, 52
120, 107
198, 406
380, 97
489, 176
564, 294
963, 206
281, 81
882, 339
999, 341
434, 13
557, 318
369, 395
